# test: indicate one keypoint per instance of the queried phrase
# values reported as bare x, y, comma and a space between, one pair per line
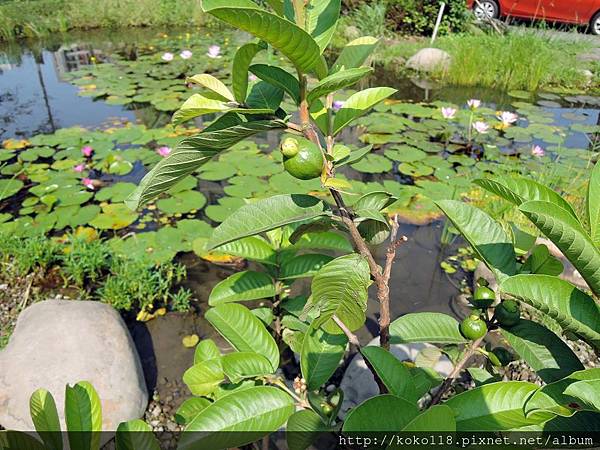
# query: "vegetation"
34, 18
241, 391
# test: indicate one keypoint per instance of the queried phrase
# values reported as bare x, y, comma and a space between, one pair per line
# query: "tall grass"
525, 61
33, 18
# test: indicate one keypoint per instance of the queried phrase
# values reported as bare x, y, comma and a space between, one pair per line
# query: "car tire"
595, 24
485, 9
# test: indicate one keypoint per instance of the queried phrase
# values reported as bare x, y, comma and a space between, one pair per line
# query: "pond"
114, 94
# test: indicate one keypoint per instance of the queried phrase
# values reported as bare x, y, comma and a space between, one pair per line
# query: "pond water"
106, 82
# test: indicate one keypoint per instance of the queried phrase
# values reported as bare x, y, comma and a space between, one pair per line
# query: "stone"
429, 60
56, 342
359, 384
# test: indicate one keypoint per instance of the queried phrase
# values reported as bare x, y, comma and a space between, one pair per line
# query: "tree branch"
456, 372
349, 334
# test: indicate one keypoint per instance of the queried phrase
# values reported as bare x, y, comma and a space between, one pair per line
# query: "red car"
582, 12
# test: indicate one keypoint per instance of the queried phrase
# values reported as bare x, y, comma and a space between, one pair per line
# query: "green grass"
35, 18
518, 60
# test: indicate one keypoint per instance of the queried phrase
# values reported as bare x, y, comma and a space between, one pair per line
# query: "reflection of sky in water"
23, 108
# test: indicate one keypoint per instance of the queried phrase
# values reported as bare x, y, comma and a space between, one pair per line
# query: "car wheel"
485, 9
595, 24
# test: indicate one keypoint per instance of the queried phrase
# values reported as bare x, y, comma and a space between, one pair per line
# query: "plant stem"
456, 371
349, 334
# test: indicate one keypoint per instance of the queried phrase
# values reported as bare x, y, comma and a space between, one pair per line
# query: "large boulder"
429, 60
56, 342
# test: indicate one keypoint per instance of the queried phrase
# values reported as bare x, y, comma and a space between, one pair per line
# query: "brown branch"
456, 371
383, 286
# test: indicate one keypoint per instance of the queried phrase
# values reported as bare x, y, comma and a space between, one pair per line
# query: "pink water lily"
164, 151
167, 56
448, 113
481, 127
88, 183
79, 168
507, 118
473, 103
337, 105
252, 77
186, 54
87, 151
214, 51
538, 151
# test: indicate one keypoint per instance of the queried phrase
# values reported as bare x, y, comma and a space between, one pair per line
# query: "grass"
36, 18
521, 59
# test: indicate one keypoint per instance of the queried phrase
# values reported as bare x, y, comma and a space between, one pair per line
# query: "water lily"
473, 103
448, 113
167, 56
481, 127
214, 51
252, 77
88, 183
164, 151
79, 168
186, 54
538, 151
337, 105
87, 151
507, 118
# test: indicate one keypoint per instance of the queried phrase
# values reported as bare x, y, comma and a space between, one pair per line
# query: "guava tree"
240, 391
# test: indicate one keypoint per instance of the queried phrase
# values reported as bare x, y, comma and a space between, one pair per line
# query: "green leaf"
204, 378
244, 331
252, 247
543, 350
593, 205
190, 409
574, 310
435, 328
493, 407
438, 418
569, 236
321, 20
303, 428
83, 416
489, 240
278, 77
241, 287
355, 156
241, 365
135, 434
393, 373
540, 261
340, 289
239, 71
277, 6
521, 190
267, 214
382, 413
587, 393
374, 201
19, 440
355, 53
213, 84
553, 398
337, 81
265, 96
205, 350
302, 266
321, 355
359, 104
190, 154
45, 419
256, 411
292, 41
198, 105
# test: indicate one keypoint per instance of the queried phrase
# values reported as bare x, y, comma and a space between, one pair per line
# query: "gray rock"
429, 60
482, 271
56, 342
359, 384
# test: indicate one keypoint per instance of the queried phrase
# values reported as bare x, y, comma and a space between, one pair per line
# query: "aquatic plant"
241, 390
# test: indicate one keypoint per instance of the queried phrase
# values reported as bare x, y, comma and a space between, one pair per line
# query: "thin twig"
456, 371
349, 334
27, 291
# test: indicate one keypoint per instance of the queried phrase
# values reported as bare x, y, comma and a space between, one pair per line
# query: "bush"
419, 16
